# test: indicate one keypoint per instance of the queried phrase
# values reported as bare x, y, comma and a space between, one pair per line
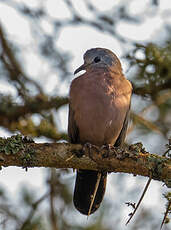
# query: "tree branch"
23, 152
9, 111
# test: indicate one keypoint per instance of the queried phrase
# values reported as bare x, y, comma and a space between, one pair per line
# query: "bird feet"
106, 150
95, 152
87, 149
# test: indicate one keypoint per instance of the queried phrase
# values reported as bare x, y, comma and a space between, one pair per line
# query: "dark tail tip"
84, 189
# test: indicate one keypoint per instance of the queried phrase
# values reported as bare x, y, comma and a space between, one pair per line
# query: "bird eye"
96, 59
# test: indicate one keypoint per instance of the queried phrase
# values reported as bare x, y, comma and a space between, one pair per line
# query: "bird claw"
90, 150
87, 146
108, 150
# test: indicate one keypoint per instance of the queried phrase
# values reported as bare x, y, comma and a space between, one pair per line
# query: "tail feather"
85, 187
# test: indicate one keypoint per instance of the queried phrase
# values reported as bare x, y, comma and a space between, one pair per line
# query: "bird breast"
99, 111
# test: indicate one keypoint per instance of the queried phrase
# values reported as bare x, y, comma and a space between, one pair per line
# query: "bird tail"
89, 190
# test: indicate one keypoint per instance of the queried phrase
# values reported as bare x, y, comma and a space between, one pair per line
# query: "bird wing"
73, 131
122, 135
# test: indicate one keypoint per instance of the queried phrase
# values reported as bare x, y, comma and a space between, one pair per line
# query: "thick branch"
18, 151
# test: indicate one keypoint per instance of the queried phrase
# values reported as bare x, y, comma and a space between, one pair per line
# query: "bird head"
99, 58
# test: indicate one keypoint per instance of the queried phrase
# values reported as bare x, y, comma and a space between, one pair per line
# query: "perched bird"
98, 114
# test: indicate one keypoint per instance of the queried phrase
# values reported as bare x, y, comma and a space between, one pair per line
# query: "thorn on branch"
130, 204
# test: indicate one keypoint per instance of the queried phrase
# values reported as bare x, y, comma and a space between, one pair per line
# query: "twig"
69, 158
95, 191
139, 202
165, 215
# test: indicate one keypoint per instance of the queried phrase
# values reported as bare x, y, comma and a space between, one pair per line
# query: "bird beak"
82, 67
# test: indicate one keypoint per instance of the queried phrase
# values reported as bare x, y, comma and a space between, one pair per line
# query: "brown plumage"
98, 114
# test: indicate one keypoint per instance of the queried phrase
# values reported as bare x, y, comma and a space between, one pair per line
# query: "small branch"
165, 215
139, 202
52, 185
22, 152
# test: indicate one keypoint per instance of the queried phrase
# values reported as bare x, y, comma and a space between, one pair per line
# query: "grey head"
99, 58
